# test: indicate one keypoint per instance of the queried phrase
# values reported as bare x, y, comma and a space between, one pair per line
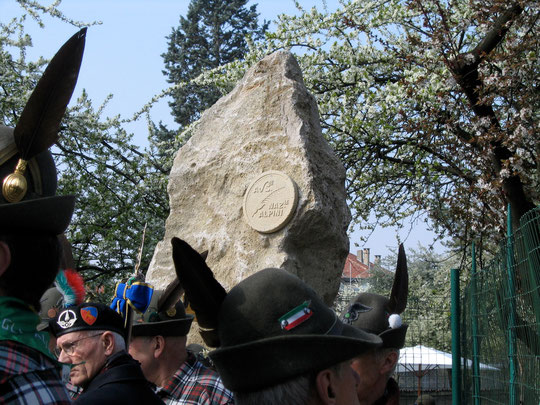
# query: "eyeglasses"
69, 347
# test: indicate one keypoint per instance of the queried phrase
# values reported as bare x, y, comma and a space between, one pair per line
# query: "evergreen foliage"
212, 34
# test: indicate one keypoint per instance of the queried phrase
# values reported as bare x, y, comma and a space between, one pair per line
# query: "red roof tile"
354, 268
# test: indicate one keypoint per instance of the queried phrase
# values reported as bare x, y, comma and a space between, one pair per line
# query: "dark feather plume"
204, 293
170, 296
39, 123
173, 292
400, 288
67, 261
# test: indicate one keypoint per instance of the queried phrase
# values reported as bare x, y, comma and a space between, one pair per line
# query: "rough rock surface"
268, 122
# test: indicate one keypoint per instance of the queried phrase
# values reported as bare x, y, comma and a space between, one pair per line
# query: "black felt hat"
40, 210
161, 318
274, 327
87, 316
377, 314
27, 170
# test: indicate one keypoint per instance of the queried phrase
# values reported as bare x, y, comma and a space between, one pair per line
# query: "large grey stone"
268, 122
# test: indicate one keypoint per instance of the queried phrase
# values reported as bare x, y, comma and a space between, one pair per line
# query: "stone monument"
257, 185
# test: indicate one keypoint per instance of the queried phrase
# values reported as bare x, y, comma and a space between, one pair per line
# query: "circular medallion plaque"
270, 202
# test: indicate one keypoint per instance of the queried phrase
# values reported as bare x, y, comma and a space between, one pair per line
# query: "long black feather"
170, 296
67, 261
400, 288
173, 292
204, 293
39, 123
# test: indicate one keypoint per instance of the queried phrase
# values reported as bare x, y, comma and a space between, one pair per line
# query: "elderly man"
279, 343
31, 217
90, 337
159, 344
377, 314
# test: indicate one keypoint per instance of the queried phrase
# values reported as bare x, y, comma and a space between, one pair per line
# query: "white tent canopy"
422, 367
425, 358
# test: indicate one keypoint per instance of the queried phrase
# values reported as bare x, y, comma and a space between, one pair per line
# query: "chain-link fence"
428, 317
500, 329
428, 337
501, 322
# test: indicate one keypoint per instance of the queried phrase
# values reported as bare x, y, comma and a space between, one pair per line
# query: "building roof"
354, 268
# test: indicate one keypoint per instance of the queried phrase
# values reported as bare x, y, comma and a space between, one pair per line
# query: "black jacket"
120, 382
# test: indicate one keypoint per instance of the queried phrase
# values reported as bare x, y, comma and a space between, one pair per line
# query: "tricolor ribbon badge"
296, 316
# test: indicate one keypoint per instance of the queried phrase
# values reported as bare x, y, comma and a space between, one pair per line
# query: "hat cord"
336, 328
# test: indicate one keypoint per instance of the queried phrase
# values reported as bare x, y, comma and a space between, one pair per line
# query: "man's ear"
389, 362
108, 341
5, 257
325, 384
158, 346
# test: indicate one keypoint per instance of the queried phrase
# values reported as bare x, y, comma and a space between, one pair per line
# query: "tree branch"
464, 68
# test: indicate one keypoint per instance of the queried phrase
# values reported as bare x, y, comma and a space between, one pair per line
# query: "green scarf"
18, 322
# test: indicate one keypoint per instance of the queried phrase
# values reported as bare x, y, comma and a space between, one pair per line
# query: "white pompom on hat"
394, 320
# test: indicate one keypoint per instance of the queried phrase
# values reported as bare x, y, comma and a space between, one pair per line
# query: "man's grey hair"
119, 340
296, 391
380, 355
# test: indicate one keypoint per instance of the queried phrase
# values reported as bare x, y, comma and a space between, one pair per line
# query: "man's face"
345, 388
141, 349
372, 382
88, 355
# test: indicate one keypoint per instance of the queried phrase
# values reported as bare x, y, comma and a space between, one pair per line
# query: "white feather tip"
394, 321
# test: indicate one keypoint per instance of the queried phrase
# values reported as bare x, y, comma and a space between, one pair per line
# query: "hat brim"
252, 366
394, 338
44, 215
174, 327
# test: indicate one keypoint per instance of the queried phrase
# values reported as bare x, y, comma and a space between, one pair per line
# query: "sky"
122, 57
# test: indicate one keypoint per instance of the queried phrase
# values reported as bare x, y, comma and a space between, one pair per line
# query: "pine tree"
212, 34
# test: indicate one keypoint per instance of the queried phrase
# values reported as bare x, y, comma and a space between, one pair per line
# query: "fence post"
474, 321
512, 397
456, 336
530, 226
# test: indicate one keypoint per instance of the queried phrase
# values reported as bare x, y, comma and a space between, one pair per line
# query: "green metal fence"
500, 333
428, 316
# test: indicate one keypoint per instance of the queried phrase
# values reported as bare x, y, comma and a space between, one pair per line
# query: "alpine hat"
27, 169
274, 327
380, 315
165, 322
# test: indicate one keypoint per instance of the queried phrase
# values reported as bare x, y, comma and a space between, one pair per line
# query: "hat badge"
14, 186
296, 316
89, 315
67, 319
353, 312
52, 312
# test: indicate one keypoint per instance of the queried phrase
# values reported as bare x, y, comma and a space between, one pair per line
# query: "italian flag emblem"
296, 316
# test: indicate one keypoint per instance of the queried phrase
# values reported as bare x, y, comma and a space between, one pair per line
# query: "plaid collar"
193, 383
182, 375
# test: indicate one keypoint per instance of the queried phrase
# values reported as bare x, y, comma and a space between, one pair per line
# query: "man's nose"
64, 358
